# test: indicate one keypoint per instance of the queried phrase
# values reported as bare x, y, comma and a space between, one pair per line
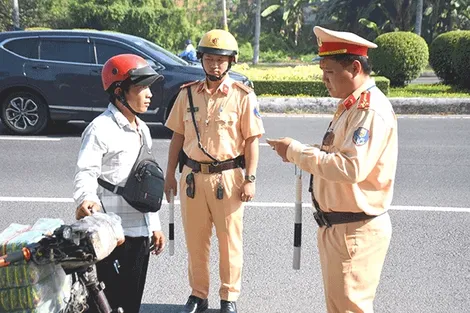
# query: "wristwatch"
250, 178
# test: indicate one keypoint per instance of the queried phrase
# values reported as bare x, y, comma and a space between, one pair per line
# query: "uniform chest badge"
361, 136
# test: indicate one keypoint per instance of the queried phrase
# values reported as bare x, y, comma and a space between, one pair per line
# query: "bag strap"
119, 189
192, 110
113, 188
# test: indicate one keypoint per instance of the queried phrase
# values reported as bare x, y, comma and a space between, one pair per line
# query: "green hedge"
440, 55
315, 88
461, 60
400, 56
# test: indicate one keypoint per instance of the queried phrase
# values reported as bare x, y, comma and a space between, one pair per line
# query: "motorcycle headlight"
67, 233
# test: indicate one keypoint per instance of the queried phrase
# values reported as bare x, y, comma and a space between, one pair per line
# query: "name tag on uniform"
196, 109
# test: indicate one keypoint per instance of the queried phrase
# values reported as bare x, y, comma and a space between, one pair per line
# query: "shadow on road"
166, 308
75, 129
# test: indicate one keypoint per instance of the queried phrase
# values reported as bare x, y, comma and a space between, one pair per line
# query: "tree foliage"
286, 25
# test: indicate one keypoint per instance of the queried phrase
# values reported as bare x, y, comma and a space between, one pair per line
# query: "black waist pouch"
144, 186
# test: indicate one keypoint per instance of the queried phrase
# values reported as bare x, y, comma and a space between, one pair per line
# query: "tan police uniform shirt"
354, 171
224, 120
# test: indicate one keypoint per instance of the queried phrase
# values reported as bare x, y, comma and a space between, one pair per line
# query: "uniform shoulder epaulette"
364, 101
189, 84
243, 87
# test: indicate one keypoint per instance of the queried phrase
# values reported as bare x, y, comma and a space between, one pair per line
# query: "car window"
76, 51
104, 51
160, 54
26, 47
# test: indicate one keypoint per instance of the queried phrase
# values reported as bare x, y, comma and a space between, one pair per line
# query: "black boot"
195, 305
228, 306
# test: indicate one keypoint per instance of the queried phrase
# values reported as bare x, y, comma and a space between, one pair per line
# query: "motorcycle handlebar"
14, 257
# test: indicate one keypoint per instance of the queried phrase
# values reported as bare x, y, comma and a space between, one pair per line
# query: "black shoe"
195, 305
228, 306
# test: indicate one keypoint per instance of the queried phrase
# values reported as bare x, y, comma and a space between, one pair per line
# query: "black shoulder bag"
144, 186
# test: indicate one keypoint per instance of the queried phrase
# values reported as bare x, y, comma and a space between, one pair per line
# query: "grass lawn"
428, 91
307, 72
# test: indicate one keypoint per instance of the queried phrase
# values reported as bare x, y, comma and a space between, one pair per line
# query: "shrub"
272, 41
272, 56
245, 52
461, 60
281, 73
315, 88
440, 55
400, 56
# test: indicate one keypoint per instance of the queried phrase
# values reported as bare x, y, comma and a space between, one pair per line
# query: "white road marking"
36, 199
329, 116
250, 204
27, 138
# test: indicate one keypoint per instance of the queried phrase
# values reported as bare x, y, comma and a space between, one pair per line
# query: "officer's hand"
86, 209
280, 145
248, 191
170, 184
158, 242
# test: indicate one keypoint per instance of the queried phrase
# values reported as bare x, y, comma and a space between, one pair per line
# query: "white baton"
171, 232
298, 218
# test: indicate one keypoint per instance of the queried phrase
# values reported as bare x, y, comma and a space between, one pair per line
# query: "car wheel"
24, 113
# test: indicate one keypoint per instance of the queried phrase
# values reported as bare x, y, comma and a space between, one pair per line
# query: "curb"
327, 105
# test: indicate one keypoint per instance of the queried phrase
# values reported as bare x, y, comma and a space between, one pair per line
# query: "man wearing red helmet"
110, 146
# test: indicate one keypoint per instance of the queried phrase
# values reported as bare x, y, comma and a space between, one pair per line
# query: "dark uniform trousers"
125, 289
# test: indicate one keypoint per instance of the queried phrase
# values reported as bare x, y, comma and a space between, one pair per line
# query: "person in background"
189, 53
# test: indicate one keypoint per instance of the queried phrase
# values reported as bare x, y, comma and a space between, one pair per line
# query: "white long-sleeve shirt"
109, 149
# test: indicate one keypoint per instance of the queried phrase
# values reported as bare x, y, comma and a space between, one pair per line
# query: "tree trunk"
419, 17
257, 32
16, 15
224, 18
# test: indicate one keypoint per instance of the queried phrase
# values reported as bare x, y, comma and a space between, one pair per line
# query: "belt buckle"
205, 168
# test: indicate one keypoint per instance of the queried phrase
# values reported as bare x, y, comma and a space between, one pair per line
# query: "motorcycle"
76, 248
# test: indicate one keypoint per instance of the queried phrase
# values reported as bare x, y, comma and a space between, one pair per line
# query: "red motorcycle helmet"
129, 68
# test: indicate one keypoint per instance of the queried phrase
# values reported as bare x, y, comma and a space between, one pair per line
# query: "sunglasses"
191, 189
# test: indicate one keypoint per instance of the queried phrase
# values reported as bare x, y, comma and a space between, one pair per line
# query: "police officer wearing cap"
109, 149
353, 174
219, 135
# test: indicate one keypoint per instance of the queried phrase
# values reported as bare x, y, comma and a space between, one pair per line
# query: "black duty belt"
332, 218
216, 167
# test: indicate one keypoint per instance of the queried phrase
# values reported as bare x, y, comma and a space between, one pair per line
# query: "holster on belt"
182, 158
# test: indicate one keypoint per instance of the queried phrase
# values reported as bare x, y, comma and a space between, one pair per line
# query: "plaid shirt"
109, 150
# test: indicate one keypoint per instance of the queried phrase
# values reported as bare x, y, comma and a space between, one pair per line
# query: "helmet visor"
216, 51
144, 76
